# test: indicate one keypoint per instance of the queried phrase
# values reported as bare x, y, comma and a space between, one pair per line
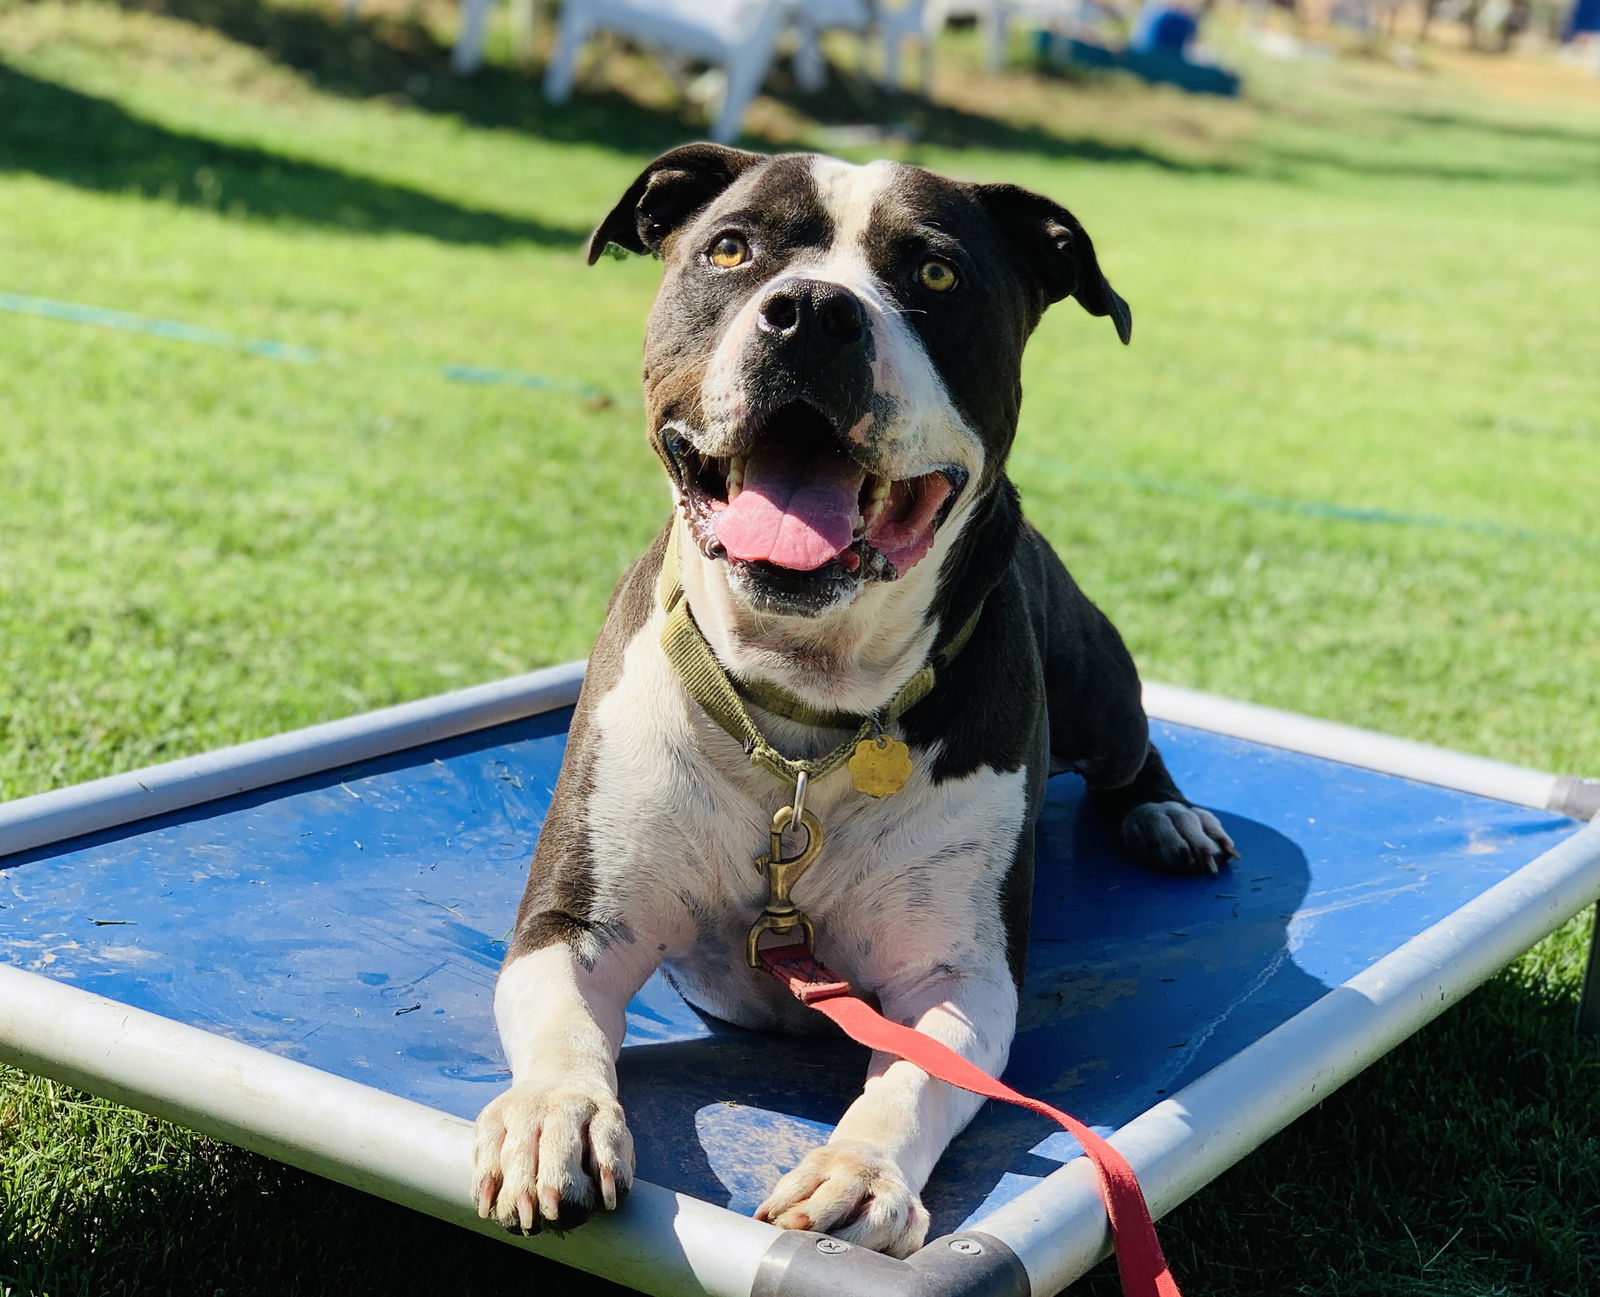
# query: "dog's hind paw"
1176, 838
852, 1193
548, 1157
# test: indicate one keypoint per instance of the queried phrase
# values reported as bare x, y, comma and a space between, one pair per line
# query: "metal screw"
966, 1246
831, 1246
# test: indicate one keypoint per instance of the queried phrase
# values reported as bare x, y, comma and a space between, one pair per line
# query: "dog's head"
832, 365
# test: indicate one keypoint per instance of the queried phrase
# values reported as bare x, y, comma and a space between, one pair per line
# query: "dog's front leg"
554, 1147
863, 1185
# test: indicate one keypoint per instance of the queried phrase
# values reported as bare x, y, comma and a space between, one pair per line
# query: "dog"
832, 383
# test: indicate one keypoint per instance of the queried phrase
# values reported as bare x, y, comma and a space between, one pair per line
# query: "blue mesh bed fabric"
354, 921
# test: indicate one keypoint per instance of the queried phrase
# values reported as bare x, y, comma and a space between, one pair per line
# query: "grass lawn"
1350, 466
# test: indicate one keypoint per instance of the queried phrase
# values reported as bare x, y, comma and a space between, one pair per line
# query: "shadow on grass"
1465, 1163
189, 1216
78, 139
1516, 130
851, 99
1293, 166
400, 59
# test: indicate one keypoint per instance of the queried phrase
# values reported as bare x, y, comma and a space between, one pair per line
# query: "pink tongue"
797, 511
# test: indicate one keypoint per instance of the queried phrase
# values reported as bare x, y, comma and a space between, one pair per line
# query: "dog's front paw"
853, 1194
545, 1157
1176, 838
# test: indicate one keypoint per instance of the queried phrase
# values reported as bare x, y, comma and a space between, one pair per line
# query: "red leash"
1140, 1263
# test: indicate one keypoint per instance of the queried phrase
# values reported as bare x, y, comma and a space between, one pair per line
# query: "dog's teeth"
877, 498
860, 524
735, 477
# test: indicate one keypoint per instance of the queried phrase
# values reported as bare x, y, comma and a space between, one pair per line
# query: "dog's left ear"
667, 193
1056, 250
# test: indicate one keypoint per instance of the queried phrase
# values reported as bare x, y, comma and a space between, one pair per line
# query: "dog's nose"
807, 309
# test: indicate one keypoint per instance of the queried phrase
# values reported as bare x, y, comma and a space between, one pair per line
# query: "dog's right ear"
667, 193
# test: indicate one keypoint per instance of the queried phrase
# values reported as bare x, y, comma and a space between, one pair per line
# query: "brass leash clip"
780, 914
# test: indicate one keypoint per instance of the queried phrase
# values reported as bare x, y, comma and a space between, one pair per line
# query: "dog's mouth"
797, 510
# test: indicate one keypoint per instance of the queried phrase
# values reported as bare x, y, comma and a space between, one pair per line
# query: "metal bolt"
966, 1246
832, 1246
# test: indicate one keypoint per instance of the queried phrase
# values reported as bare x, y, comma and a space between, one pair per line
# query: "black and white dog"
831, 376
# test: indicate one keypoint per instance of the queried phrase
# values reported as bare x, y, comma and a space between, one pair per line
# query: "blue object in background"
354, 920
1585, 17
1158, 66
1162, 28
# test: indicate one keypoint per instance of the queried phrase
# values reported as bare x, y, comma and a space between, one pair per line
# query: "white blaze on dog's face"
832, 364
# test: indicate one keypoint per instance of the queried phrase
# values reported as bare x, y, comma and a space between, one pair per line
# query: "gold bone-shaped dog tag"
880, 766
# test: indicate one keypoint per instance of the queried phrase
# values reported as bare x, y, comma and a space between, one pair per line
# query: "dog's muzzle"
799, 516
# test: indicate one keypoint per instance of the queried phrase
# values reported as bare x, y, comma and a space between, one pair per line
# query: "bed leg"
968, 1264
1588, 1023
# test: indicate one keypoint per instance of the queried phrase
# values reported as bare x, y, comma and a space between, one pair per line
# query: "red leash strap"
1140, 1263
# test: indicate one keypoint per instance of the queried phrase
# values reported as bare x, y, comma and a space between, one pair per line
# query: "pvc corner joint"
1579, 798
968, 1264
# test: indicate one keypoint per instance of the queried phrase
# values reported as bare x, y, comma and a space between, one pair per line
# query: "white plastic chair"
467, 57
914, 20
739, 36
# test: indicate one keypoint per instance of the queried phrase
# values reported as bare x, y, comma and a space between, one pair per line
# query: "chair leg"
810, 67
746, 66
893, 39
994, 26
570, 38
744, 83
1588, 1024
467, 57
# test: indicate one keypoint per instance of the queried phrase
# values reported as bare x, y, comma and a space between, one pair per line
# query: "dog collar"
710, 685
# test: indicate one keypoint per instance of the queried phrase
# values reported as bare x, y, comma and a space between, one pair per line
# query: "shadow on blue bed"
354, 920
1137, 984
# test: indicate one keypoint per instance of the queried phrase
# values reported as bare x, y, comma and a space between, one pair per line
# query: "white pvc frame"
669, 1243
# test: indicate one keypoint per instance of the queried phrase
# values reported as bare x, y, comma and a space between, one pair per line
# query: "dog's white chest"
677, 817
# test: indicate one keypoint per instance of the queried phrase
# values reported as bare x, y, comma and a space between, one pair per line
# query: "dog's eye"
936, 275
729, 251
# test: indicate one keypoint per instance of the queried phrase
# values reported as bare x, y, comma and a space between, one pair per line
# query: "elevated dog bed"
292, 945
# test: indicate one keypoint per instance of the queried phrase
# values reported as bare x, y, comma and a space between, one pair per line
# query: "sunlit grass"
1349, 466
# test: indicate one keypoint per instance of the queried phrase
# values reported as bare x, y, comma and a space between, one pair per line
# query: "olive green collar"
723, 699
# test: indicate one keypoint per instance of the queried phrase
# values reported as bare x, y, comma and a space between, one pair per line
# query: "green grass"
1357, 290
